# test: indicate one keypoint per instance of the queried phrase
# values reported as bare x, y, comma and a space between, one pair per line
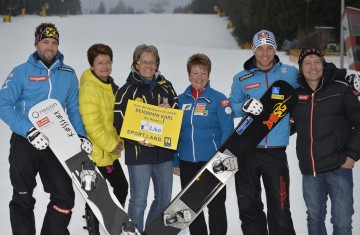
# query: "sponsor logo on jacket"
38, 78
246, 76
66, 69
304, 97
225, 103
252, 86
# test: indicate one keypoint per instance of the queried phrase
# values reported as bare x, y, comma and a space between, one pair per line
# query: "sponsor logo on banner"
151, 127
167, 141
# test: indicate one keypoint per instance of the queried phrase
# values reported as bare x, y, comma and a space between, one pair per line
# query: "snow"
176, 37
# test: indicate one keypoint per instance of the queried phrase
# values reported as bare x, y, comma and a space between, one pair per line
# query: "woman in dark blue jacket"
146, 162
206, 124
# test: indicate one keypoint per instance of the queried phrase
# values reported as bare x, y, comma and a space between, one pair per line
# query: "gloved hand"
354, 81
37, 139
86, 144
252, 106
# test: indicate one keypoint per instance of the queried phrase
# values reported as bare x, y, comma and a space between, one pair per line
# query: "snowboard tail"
277, 101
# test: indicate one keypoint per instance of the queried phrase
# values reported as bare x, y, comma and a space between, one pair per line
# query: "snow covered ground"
177, 37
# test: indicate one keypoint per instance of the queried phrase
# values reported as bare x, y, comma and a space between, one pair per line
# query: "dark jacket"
153, 93
327, 122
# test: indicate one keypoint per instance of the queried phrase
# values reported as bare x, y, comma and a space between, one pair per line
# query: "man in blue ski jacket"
268, 161
43, 76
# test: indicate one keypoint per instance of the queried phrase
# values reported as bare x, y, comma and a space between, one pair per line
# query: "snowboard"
50, 118
277, 102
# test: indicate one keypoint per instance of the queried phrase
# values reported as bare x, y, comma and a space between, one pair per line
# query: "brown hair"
199, 59
98, 49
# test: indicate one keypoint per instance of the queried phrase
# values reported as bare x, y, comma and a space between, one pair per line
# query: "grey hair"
145, 48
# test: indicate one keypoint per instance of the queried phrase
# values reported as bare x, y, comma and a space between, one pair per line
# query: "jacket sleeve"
121, 98
225, 117
90, 110
72, 106
352, 109
9, 95
237, 98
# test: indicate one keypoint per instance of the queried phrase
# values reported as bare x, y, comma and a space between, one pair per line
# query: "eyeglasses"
144, 62
101, 63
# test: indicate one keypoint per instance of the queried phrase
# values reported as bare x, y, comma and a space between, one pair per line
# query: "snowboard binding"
227, 164
183, 216
88, 176
92, 224
128, 229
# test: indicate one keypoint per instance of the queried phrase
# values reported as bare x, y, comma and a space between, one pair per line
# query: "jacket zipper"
311, 134
267, 87
192, 129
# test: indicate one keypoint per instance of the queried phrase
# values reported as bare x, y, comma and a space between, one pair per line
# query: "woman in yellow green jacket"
96, 104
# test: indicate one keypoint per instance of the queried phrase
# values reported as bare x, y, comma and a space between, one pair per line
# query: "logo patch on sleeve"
225, 103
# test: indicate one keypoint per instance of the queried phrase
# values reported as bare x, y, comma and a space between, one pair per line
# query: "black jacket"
327, 122
136, 88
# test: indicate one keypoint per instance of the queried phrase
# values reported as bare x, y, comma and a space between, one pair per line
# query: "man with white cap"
268, 161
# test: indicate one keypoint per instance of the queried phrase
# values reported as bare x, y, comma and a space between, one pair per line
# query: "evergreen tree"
101, 9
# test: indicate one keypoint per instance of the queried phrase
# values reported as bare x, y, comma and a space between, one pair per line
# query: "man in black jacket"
327, 121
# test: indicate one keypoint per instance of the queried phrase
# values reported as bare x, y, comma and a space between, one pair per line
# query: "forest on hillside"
290, 20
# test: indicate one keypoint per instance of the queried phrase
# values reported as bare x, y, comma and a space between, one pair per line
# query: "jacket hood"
250, 63
331, 73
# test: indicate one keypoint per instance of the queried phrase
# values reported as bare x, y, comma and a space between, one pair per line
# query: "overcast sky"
138, 5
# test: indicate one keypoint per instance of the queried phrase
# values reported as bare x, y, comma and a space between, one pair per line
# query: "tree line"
52, 7
288, 19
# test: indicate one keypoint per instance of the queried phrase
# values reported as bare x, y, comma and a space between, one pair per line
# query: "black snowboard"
278, 101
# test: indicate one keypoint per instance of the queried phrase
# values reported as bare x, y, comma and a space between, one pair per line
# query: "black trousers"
117, 180
25, 163
270, 165
216, 208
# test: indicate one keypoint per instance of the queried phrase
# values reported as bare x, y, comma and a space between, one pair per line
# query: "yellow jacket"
96, 104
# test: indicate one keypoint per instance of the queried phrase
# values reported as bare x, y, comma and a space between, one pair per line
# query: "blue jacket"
206, 124
253, 83
31, 83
